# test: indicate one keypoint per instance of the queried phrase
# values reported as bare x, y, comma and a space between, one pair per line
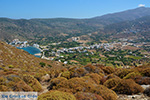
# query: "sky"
27, 9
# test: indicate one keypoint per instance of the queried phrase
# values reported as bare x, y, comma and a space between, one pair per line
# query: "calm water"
31, 50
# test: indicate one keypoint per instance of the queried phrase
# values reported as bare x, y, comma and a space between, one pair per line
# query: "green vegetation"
114, 58
42, 64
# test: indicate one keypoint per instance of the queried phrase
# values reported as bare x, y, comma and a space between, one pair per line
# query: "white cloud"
141, 5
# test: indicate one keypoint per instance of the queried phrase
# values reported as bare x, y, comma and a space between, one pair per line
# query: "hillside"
60, 29
127, 15
20, 71
139, 27
42, 28
23, 71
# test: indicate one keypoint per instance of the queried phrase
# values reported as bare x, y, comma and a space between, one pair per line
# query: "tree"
42, 64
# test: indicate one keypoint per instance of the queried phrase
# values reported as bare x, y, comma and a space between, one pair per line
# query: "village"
133, 53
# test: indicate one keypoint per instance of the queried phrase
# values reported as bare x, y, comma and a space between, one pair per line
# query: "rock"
145, 86
45, 78
133, 97
147, 91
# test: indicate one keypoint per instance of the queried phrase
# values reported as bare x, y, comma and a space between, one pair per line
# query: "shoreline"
38, 54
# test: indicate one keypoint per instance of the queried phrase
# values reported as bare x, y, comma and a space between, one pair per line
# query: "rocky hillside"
23, 71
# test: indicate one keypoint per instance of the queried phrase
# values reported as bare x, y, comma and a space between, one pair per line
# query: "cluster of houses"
19, 44
84, 49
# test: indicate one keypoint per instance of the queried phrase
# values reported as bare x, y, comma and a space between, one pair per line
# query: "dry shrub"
90, 68
111, 83
146, 72
56, 95
66, 74
128, 87
22, 86
4, 88
31, 81
87, 96
86, 84
54, 82
105, 93
122, 72
95, 77
16, 84
132, 75
142, 80
2, 81
98, 70
108, 70
103, 80
77, 72
110, 76
77, 84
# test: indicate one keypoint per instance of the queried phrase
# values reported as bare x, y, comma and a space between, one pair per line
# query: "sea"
32, 50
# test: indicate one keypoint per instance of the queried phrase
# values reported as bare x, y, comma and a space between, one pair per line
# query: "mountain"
138, 27
127, 15
60, 29
41, 28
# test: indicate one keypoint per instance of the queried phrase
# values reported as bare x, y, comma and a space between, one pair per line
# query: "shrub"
98, 70
77, 72
22, 86
87, 96
105, 93
103, 80
4, 88
14, 78
145, 80
11, 66
49, 65
146, 72
34, 83
56, 95
42, 64
95, 77
132, 75
112, 82
90, 68
77, 84
108, 70
142, 80
128, 87
2, 81
110, 76
122, 72
66, 74
86, 84
54, 82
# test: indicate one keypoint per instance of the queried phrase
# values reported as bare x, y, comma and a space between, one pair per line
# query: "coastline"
38, 54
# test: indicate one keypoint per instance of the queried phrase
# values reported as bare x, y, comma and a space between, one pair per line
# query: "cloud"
141, 5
